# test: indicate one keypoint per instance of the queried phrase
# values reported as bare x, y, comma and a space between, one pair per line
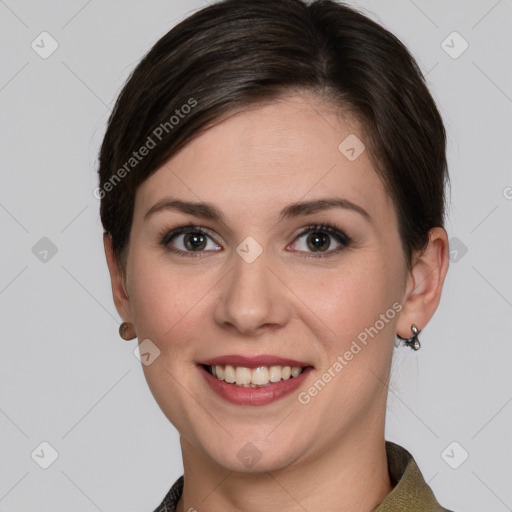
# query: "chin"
254, 454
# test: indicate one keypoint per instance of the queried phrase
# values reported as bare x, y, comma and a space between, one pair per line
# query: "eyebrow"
211, 212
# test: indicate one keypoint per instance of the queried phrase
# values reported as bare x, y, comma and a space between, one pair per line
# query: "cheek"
353, 298
168, 309
360, 305
167, 305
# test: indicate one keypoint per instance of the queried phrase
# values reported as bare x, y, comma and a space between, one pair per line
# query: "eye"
188, 240
321, 239
195, 241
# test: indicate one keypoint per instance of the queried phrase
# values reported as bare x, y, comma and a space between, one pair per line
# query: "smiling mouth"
258, 377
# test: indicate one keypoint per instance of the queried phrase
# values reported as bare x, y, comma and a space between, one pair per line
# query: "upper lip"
253, 362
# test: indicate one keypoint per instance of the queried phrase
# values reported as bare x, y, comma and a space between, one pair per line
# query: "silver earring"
412, 342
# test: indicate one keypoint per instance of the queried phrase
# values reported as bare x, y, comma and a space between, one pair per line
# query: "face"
262, 247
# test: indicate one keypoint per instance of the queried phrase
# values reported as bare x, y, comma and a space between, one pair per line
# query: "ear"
424, 284
119, 293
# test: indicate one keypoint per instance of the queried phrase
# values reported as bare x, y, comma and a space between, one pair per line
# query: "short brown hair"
237, 53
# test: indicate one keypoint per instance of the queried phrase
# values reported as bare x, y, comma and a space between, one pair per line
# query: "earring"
412, 342
124, 331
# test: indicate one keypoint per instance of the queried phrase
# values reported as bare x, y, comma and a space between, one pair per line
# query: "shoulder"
410, 490
171, 499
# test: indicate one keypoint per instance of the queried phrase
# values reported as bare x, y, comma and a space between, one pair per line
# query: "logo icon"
44, 250
146, 352
458, 249
352, 147
44, 45
44, 455
454, 45
454, 455
249, 250
249, 455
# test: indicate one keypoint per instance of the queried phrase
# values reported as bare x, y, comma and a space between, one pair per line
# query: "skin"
330, 453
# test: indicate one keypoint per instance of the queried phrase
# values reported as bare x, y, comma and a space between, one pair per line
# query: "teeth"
255, 377
259, 376
296, 371
242, 376
274, 373
229, 374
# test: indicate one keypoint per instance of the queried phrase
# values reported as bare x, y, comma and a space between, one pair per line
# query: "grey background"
66, 376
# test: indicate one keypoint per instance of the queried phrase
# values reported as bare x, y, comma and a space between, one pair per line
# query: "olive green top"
410, 491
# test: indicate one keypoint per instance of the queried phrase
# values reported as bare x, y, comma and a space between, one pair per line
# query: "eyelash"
330, 229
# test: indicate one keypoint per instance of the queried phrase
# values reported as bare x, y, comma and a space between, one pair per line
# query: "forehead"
259, 159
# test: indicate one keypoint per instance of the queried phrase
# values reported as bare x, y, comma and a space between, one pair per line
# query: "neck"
351, 476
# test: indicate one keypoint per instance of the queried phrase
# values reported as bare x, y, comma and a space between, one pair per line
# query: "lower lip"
254, 396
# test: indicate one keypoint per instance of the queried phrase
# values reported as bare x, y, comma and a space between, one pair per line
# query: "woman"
272, 193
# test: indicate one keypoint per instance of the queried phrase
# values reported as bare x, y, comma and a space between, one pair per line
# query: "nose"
252, 298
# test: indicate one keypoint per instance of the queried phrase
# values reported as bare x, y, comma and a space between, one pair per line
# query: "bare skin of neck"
350, 477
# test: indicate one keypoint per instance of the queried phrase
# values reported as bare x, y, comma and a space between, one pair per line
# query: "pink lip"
239, 395
253, 362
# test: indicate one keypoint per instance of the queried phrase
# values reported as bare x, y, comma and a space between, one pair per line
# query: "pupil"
194, 241
318, 241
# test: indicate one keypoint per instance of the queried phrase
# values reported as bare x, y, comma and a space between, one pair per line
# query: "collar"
410, 491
